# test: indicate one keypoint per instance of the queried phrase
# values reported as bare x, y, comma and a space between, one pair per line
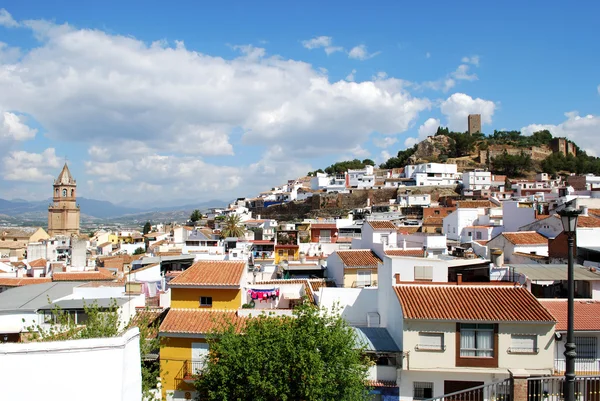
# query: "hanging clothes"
264, 295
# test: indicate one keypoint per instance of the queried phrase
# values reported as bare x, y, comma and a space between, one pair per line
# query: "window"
64, 192
477, 340
280, 252
206, 301
363, 278
423, 273
585, 347
385, 239
422, 390
436, 212
431, 342
469, 233
478, 234
523, 344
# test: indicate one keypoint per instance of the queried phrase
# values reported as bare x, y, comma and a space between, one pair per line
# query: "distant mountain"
95, 208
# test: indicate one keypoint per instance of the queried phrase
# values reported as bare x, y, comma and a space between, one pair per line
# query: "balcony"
325, 240
189, 371
583, 367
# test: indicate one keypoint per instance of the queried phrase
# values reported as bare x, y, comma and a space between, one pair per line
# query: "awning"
375, 339
554, 272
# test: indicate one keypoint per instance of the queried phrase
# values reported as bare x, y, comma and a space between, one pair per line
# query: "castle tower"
63, 213
474, 123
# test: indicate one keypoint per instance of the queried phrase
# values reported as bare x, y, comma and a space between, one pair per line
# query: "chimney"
459, 279
397, 277
584, 210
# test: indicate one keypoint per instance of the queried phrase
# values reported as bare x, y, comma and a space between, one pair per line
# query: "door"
199, 355
453, 386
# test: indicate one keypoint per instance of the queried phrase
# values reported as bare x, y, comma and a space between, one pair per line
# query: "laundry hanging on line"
269, 294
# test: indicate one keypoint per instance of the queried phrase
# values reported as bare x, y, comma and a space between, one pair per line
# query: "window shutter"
431, 340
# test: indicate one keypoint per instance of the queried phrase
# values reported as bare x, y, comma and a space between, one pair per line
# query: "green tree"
511, 165
368, 162
195, 216
310, 356
231, 226
139, 251
147, 228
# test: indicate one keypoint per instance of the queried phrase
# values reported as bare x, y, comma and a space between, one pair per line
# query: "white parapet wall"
99, 369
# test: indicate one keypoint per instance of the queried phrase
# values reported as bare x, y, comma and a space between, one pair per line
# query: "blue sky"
156, 103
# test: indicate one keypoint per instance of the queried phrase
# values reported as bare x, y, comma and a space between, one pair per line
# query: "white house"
478, 179
361, 178
423, 200
455, 222
518, 246
432, 174
377, 232
517, 214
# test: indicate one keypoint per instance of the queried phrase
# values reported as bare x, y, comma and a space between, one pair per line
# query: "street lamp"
569, 216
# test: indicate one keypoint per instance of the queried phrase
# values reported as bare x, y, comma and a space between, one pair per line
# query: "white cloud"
7, 20
350, 77
458, 106
471, 60
383, 157
359, 151
583, 130
325, 42
385, 141
13, 128
30, 167
251, 52
462, 73
360, 52
428, 128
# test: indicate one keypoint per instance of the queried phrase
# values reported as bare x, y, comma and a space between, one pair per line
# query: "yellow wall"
221, 298
39, 235
173, 353
285, 254
113, 238
350, 277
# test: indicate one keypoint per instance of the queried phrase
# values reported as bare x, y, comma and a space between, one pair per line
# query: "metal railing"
583, 367
587, 388
189, 370
499, 391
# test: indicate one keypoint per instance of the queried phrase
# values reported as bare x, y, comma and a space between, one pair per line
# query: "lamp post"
569, 216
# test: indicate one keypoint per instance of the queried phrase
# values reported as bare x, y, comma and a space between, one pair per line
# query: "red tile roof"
197, 321
586, 314
526, 238
82, 276
359, 258
588, 221
433, 221
474, 204
408, 229
406, 252
382, 225
21, 281
324, 226
470, 303
381, 383
38, 263
211, 273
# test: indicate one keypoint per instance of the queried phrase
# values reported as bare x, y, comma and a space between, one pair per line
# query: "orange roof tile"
531, 255
433, 221
211, 273
38, 263
470, 303
586, 314
382, 225
408, 229
197, 321
324, 226
541, 216
359, 258
418, 253
21, 281
307, 285
526, 238
588, 221
82, 276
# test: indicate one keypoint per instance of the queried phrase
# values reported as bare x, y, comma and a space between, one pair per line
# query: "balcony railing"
349, 235
582, 367
551, 388
325, 240
499, 391
190, 370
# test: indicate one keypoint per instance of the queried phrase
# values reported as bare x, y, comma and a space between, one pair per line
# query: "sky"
155, 103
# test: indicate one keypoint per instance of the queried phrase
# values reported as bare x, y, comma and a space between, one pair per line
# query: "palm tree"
231, 226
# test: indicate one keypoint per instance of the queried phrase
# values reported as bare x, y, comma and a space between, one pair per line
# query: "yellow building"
205, 295
353, 268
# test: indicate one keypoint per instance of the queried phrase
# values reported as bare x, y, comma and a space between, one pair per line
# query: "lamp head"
568, 217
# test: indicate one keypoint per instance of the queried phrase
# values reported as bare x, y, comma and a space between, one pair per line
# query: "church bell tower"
63, 213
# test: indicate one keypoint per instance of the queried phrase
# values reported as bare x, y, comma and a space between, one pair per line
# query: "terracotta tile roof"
38, 263
153, 235
531, 256
594, 212
382, 225
21, 281
316, 284
331, 226
408, 229
211, 273
197, 321
588, 221
381, 383
418, 253
359, 258
474, 204
151, 318
307, 286
586, 314
433, 221
525, 238
470, 303
541, 216
482, 242
82, 276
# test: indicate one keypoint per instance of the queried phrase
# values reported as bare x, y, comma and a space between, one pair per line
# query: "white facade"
509, 249
362, 178
517, 214
414, 200
115, 360
477, 179
456, 221
432, 174
358, 306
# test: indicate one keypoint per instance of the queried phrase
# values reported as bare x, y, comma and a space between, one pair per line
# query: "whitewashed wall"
53, 370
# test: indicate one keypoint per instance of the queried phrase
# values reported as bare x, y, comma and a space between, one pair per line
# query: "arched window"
64, 193
56, 191
72, 193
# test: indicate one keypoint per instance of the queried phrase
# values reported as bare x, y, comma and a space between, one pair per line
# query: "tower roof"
65, 177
